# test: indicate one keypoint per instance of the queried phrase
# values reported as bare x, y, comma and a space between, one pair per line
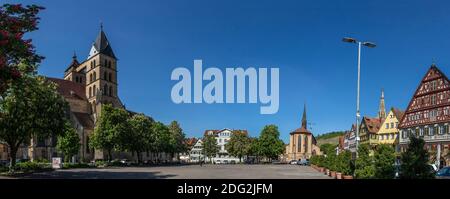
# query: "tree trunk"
109, 155
12, 157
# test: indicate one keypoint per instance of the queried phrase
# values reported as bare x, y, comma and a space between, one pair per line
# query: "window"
92, 65
299, 143
392, 125
95, 63
104, 75
95, 91
417, 132
95, 76
90, 77
440, 130
392, 136
427, 131
387, 125
421, 132
396, 124
105, 89
109, 77
90, 91
106, 63
433, 99
110, 91
446, 129
381, 137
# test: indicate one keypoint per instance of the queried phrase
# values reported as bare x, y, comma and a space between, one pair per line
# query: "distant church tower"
98, 73
304, 122
382, 109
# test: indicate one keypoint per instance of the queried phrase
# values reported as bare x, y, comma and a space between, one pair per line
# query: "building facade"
428, 116
302, 143
196, 152
388, 133
223, 137
350, 139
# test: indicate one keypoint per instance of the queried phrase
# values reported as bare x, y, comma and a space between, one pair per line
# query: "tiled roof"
373, 124
102, 45
398, 113
85, 120
69, 89
190, 142
302, 130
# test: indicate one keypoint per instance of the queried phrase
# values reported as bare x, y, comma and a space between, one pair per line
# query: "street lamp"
370, 45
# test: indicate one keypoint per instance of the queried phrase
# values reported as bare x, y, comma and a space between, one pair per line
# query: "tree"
162, 139
17, 55
112, 130
177, 138
141, 136
384, 160
344, 163
69, 142
270, 144
238, 145
365, 168
30, 108
254, 148
210, 147
415, 161
328, 148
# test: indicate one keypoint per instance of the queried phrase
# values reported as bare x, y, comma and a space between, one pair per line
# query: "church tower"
101, 74
382, 109
304, 122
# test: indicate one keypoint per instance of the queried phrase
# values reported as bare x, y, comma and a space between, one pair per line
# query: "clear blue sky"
302, 38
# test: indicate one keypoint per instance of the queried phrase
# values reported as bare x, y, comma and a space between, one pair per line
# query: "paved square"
189, 172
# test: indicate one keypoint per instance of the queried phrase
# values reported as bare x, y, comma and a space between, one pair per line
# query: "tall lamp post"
370, 45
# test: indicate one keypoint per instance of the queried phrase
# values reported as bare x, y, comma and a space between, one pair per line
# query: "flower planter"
333, 174
338, 175
345, 177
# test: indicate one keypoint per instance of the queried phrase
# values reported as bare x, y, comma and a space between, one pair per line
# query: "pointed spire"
101, 45
74, 57
304, 122
382, 108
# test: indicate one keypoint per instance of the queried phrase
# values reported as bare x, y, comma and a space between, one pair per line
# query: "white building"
222, 138
196, 152
350, 140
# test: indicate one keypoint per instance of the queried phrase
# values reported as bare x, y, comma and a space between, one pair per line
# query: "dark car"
444, 173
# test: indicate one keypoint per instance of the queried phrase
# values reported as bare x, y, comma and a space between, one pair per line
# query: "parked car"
444, 173
293, 162
303, 162
125, 162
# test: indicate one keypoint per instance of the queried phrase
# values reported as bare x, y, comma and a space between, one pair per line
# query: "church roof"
85, 120
102, 45
69, 89
74, 64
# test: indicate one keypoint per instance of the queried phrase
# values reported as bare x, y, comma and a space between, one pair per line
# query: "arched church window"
106, 63
76, 79
95, 91
109, 64
105, 76
306, 144
95, 76
299, 143
90, 77
110, 91
109, 77
95, 63
90, 91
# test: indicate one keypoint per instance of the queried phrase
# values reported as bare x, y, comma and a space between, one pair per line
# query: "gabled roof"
74, 64
372, 124
398, 113
432, 73
190, 142
69, 89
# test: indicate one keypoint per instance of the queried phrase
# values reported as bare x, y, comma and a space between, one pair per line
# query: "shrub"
75, 166
344, 163
31, 166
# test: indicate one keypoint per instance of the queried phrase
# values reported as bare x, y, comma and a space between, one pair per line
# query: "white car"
293, 162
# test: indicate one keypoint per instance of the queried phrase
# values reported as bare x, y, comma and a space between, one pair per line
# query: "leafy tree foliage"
17, 55
30, 108
270, 144
69, 142
238, 145
141, 136
365, 168
210, 147
177, 138
112, 130
384, 160
415, 161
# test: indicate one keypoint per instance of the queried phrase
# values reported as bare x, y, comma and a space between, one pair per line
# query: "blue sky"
302, 38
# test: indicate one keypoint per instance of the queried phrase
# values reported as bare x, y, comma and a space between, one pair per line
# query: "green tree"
415, 161
30, 108
141, 136
328, 148
112, 130
238, 145
271, 146
162, 139
177, 138
384, 160
69, 142
344, 163
17, 54
365, 168
210, 147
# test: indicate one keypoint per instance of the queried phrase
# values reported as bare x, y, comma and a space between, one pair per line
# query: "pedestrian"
201, 163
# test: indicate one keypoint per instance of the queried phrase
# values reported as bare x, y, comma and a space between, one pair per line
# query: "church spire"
101, 45
304, 122
382, 108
